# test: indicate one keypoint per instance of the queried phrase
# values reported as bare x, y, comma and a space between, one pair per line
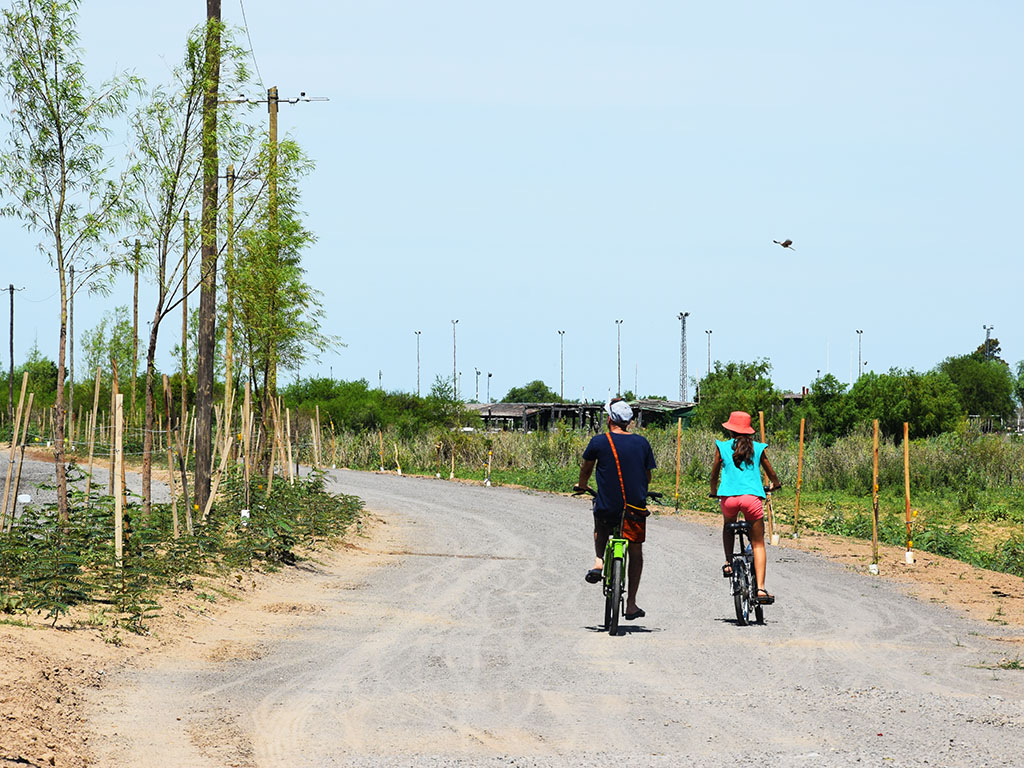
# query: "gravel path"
37, 479
469, 638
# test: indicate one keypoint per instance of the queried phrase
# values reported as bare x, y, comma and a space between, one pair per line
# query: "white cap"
619, 411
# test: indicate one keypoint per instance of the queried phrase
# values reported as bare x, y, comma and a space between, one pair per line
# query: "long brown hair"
742, 449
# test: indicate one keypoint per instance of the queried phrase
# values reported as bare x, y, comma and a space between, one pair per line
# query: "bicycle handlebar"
577, 491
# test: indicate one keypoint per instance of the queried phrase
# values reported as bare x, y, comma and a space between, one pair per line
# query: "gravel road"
466, 636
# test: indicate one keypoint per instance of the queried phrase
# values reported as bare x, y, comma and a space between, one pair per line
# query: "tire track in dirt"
470, 635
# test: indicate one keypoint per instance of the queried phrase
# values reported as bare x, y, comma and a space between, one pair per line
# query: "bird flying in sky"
785, 244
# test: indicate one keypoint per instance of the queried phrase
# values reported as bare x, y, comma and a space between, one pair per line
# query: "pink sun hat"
739, 422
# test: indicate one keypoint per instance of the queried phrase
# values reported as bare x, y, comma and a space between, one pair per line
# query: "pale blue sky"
528, 167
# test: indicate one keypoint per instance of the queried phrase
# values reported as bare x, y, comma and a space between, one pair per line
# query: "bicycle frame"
616, 548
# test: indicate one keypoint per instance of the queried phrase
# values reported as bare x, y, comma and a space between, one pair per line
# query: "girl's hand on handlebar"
773, 487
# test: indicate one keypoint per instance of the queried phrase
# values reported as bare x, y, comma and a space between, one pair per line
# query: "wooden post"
679, 445
906, 489
799, 481
113, 427
319, 437
452, 475
118, 483
225, 454
168, 397
397, 463
246, 437
381, 433
288, 444
769, 512
15, 427
21, 464
874, 498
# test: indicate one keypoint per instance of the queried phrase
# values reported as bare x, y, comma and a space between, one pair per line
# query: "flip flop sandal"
763, 598
637, 614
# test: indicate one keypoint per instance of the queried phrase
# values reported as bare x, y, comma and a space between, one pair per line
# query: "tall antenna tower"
684, 395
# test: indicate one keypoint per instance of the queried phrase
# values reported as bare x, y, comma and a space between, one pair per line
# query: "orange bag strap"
618, 468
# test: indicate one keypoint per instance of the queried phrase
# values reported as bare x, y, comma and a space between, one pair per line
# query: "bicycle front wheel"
741, 590
615, 597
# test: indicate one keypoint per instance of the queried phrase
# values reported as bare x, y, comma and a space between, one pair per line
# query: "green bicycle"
613, 573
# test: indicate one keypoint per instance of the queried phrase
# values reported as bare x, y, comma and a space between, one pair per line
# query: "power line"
252, 51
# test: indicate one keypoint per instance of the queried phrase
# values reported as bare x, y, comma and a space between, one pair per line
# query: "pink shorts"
752, 507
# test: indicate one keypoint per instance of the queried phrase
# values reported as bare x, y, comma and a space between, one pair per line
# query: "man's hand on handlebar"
579, 490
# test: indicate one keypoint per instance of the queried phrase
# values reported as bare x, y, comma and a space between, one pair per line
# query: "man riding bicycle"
624, 462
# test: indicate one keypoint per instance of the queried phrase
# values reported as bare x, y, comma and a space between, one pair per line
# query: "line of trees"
99, 217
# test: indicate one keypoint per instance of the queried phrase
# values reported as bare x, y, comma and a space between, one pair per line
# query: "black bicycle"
743, 578
613, 575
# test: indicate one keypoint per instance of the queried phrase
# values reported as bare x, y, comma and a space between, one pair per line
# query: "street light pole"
455, 380
417, 362
477, 397
489, 374
618, 350
561, 365
709, 352
684, 395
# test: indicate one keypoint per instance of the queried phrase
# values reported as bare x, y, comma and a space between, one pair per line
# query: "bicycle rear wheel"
741, 590
614, 605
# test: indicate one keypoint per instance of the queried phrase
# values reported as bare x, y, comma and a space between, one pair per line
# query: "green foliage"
735, 387
985, 386
534, 392
928, 401
354, 406
827, 410
49, 567
110, 339
1018, 385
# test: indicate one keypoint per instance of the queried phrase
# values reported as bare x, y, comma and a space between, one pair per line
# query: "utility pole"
684, 394
561, 365
618, 353
709, 352
206, 346
860, 336
10, 377
417, 362
455, 380
477, 397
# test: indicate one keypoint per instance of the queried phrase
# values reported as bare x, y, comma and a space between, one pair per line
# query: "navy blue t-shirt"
635, 457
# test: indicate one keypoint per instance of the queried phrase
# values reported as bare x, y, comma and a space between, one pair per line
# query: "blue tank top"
744, 480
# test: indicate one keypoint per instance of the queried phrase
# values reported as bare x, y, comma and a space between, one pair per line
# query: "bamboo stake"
799, 481
398, 464
679, 445
21, 464
874, 499
246, 437
182, 466
118, 482
113, 407
170, 461
769, 512
318, 438
225, 454
14, 441
452, 475
381, 433
288, 444
906, 489
92, 437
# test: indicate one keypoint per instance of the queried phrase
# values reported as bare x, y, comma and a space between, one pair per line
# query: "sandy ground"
455, 629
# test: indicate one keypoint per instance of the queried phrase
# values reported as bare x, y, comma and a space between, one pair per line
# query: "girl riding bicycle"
738, 462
